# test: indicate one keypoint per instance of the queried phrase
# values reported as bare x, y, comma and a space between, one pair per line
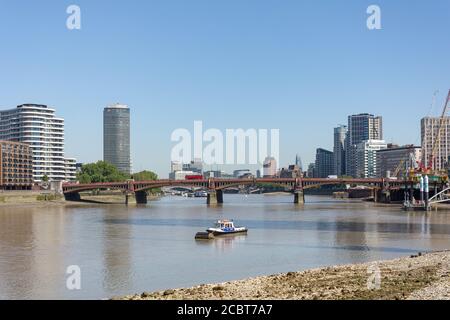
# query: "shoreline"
417, 277
30, 199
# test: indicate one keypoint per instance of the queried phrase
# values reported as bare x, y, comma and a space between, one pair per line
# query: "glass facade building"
116, 136
361, 127
324, 166
340, 134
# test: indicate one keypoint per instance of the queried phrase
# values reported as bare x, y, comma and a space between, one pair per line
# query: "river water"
124, 250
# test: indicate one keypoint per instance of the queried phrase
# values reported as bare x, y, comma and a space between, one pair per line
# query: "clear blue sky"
300, 66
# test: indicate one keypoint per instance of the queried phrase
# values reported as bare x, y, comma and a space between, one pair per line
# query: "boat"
204, 236
200, 194
223, 227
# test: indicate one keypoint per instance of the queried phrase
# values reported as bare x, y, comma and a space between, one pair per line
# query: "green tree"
100, 171
145, 176
45, 178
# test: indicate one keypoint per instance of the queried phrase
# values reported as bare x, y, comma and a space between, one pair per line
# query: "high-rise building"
269, 167
298, 162
361, 127
340, 134
324, 166
388, 160
366, 158
429, 134
37, 126
116, 136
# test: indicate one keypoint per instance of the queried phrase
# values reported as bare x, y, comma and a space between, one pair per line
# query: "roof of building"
400, 148
117, 106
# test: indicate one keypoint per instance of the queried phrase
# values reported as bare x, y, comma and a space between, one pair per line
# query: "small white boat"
222, 227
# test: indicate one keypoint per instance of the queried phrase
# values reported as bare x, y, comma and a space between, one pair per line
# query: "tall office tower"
361, 127
324, 166
37, 126
429, 133
116, 136
340, 134
298, 162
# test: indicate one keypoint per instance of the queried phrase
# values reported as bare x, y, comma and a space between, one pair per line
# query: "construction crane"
439, 134
421, 164
397, 170
413, 163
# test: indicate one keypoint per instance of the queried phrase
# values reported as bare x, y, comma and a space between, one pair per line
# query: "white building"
181, 175
366, 157
37, 126
70, 165
270, 167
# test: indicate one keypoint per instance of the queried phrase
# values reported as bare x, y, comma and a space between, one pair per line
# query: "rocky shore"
421, 276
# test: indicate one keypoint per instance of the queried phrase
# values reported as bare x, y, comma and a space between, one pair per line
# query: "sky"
298, 66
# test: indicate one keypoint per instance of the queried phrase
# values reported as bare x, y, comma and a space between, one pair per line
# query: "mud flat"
421, 276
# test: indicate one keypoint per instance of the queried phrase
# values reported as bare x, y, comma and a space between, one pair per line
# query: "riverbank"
422, 276
41, 199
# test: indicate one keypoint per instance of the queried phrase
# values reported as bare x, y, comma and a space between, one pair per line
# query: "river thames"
124, 250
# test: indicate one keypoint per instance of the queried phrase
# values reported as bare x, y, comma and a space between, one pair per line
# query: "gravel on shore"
418, 277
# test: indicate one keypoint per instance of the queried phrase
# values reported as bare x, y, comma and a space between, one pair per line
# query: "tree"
145, 176
101, 171
45, 178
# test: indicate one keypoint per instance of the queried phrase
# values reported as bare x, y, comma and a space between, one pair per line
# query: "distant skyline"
298, 66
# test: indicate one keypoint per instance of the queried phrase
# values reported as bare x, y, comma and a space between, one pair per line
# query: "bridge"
382, 188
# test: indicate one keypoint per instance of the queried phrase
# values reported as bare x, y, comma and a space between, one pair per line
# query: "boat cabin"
224, 224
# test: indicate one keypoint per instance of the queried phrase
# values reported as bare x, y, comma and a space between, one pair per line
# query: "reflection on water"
123, 250
224, 243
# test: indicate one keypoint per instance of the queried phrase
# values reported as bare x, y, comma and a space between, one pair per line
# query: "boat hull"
223, 233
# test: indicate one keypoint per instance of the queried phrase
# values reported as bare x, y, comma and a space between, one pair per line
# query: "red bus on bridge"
194, 177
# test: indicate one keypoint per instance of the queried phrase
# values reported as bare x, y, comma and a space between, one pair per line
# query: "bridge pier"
375, 195
299, 197
75, 196
386, 196
215, 197
141, 197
